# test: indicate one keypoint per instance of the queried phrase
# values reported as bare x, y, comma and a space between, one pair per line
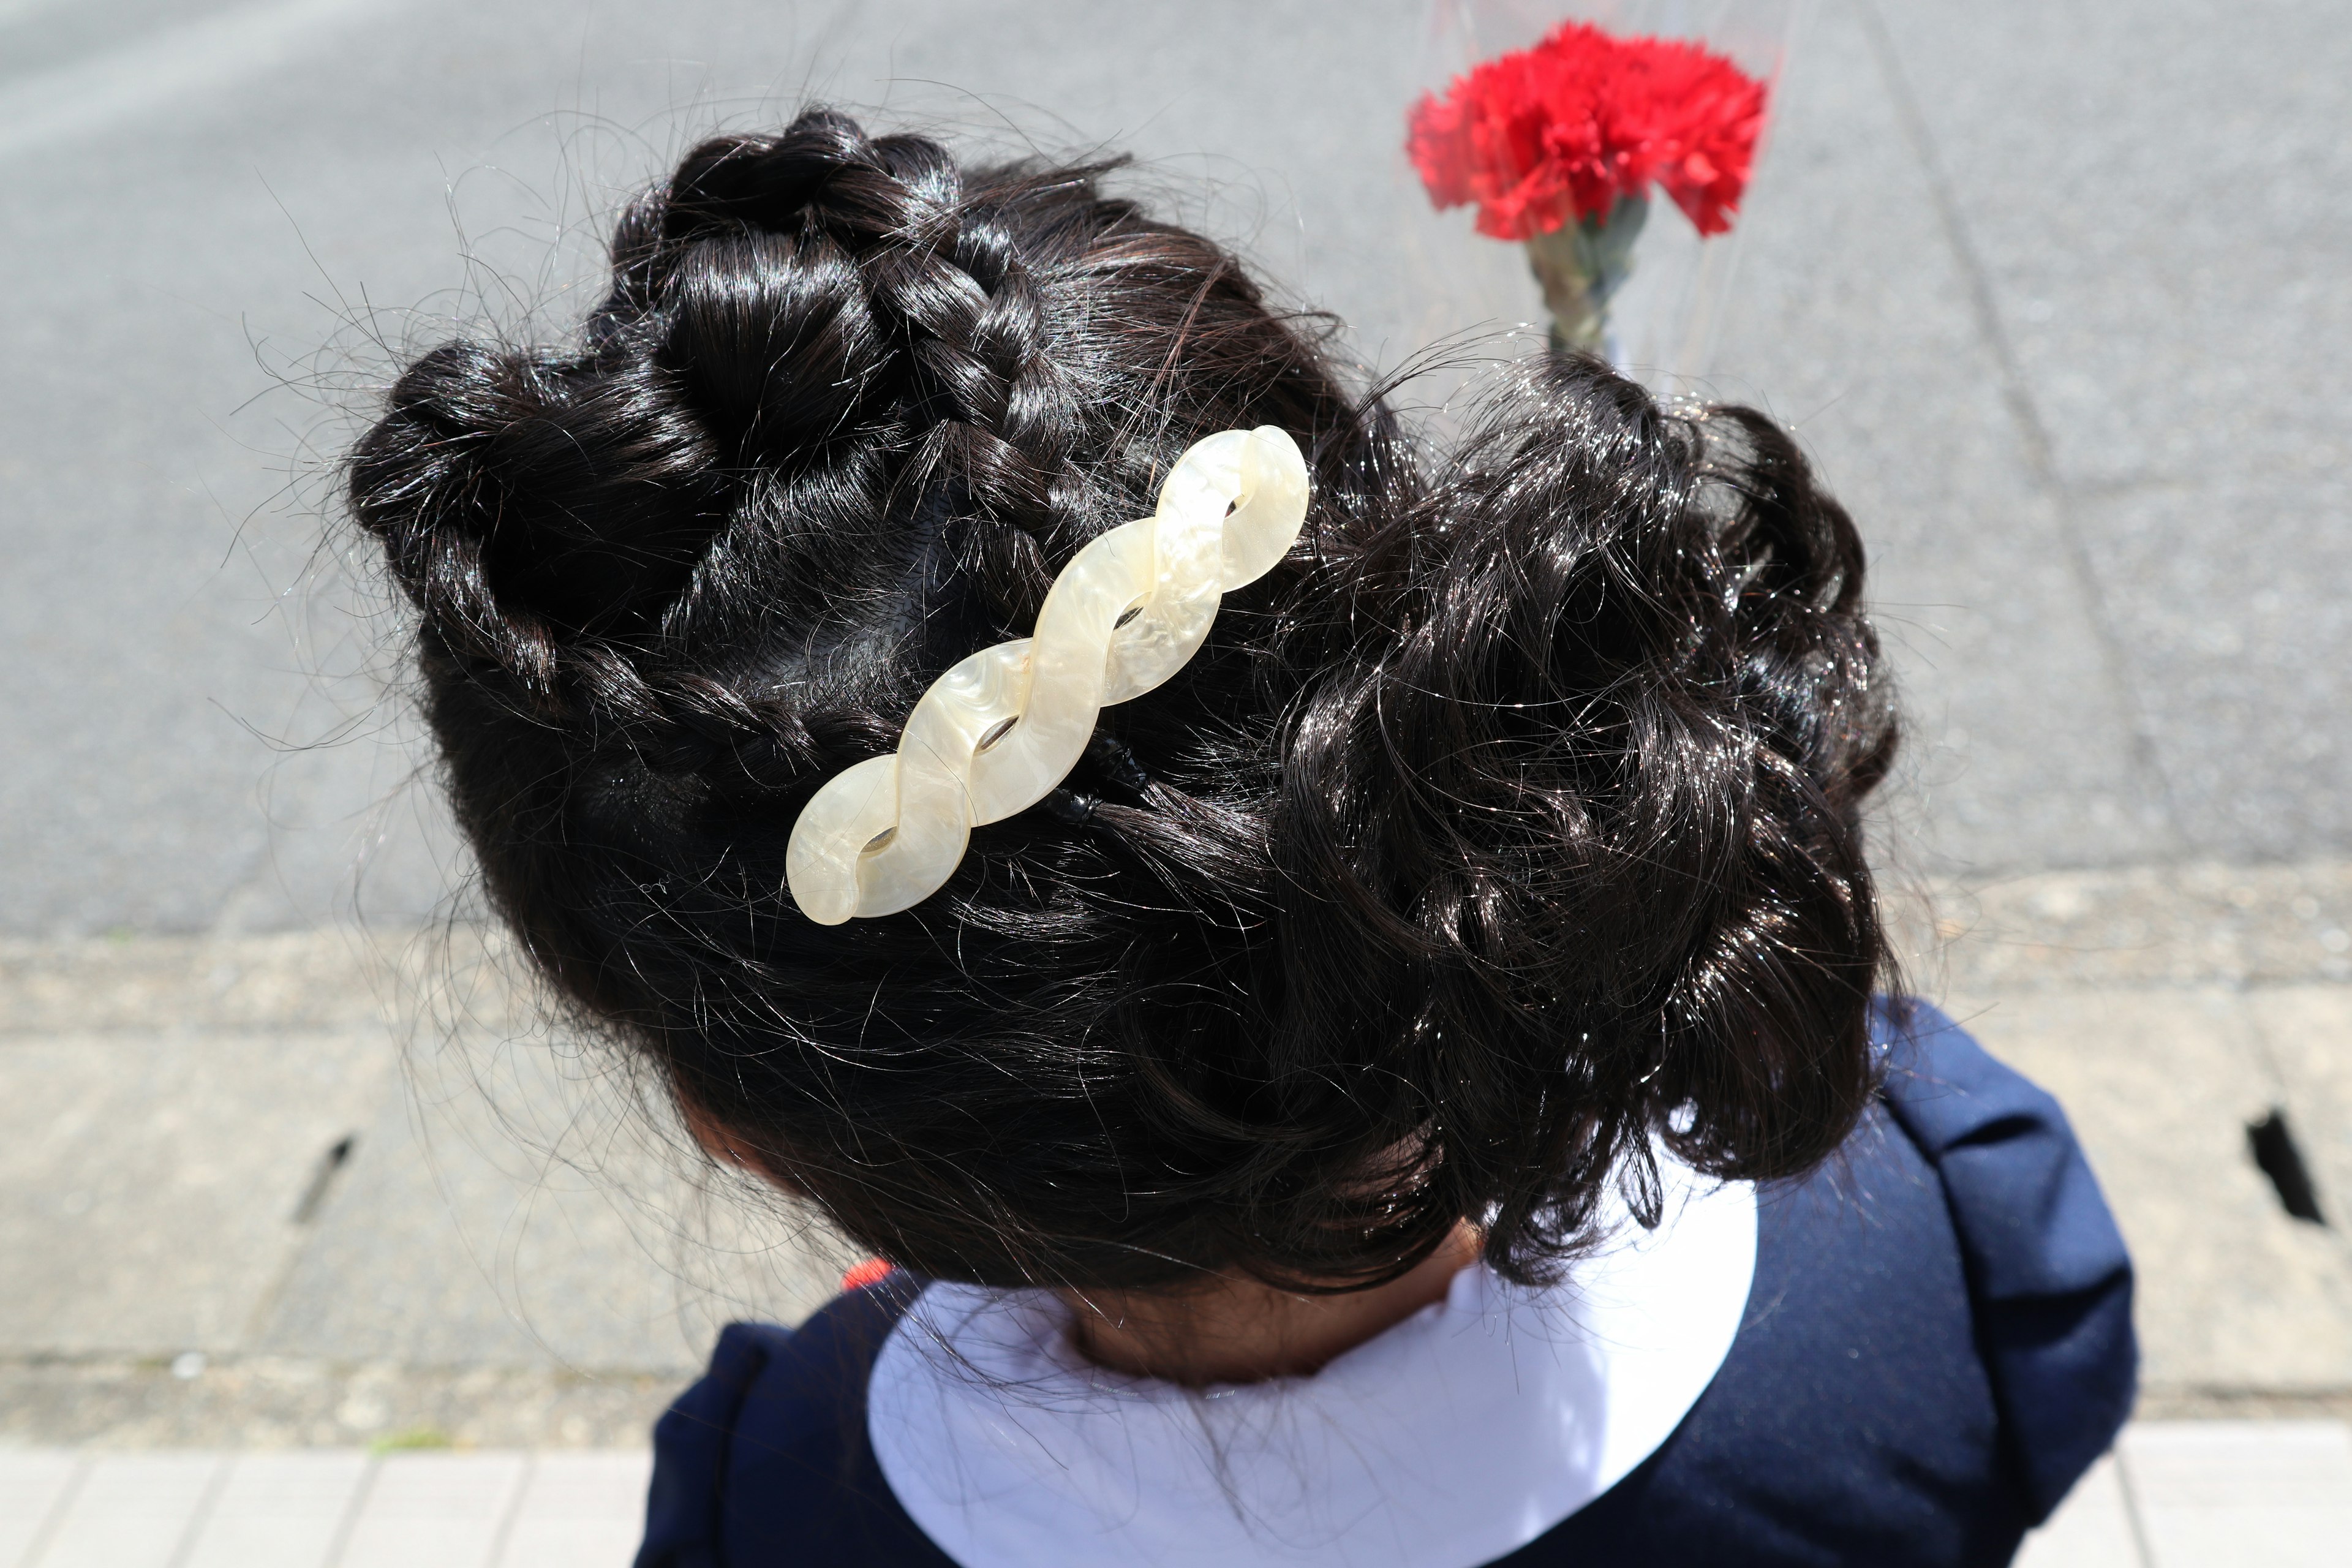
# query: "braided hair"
1505, 833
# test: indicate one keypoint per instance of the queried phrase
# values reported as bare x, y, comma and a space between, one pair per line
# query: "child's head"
1509, 824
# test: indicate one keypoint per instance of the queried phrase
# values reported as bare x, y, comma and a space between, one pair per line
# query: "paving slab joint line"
507, 1520
2133, 1520
353, 1506
194, 1530
59, 1507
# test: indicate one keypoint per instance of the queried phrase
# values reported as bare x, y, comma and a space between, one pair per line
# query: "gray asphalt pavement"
2051, 287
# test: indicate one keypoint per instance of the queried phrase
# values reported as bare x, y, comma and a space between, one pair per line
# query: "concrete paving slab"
2277, 1493
2234, 1293
160, 1177
434, 1508
519, 1254
328, 1508
2202, 1494
181, 1198
131, 1511
579, 1510
2092, 1529
520, 1208
35, 1484
2307, 1031
279, 1509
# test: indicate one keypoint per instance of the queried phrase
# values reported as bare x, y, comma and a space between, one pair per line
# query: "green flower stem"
1580, 265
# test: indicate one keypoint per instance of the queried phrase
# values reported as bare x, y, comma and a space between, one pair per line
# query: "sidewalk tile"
279, 1510
580, 1510
2161, 1085
2092, 1529
153, 1179
2278, 1494
516, 1208
2308, 1030
442, 1510
33, 1483
132, 1511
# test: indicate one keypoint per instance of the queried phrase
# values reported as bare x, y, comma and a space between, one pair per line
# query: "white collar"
1452, 1440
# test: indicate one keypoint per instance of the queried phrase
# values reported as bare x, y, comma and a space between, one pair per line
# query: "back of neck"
1238, 1329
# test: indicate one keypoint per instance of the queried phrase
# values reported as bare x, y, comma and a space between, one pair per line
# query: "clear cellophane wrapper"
1663, 320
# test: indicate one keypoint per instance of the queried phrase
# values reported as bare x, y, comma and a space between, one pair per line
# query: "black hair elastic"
1071, 806
1118, 764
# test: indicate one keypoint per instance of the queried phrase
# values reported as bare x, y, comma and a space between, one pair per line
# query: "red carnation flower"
1558, 132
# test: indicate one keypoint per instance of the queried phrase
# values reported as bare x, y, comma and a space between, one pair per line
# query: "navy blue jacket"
1937, 1343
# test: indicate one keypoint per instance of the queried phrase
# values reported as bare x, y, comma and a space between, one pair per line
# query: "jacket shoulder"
767, 1449
2049, 1279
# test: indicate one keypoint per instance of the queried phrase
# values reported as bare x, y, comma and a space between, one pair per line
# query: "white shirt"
1452, 1439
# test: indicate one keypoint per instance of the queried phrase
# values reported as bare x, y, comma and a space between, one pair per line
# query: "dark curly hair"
1506, 832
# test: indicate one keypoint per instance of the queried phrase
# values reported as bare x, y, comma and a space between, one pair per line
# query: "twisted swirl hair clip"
1000, 730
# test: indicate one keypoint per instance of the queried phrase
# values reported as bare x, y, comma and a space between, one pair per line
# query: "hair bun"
1508, 824
771, 339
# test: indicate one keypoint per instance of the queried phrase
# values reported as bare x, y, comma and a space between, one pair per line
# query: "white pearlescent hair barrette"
1000, 730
